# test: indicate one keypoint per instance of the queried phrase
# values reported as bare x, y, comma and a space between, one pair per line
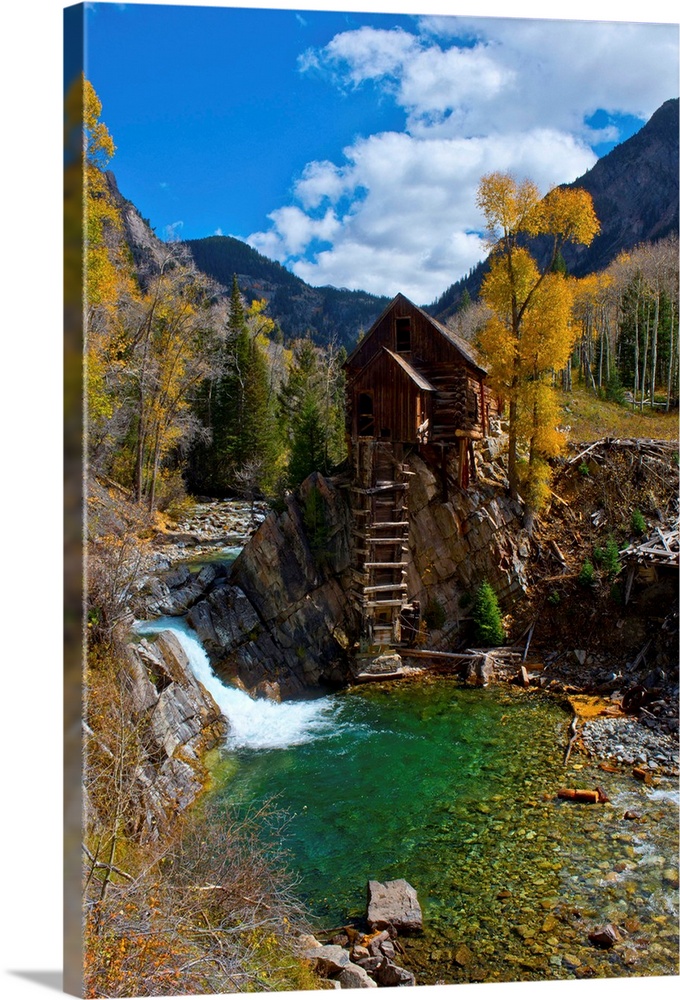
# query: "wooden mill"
412, 384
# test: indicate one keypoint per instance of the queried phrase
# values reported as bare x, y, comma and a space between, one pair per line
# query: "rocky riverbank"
354, 959
209, 530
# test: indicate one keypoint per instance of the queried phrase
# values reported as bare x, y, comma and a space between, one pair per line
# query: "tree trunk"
644, 363
671, 358
655, 334
512, 448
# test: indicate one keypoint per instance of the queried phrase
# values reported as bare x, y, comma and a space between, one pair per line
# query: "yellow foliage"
530, 334
507, 206
501, 287
568, 214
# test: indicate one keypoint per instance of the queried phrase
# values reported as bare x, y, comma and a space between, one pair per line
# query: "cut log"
590, 795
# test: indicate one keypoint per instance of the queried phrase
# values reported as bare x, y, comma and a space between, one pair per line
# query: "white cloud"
292, 232
369, 53
477, 95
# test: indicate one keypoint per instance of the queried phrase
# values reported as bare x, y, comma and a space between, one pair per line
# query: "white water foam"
255, 723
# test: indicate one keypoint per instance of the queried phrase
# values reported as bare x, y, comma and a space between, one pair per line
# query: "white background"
31, 486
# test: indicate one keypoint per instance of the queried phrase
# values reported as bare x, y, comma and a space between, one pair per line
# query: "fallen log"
591, 795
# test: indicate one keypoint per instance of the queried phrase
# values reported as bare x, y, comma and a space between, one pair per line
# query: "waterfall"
255, 723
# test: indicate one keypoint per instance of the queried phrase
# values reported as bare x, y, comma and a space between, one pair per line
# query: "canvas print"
372, 323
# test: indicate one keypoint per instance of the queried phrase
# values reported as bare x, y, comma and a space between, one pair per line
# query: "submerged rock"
394, 904
605, 937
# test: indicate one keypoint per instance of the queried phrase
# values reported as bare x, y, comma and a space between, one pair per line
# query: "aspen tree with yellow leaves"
529, 334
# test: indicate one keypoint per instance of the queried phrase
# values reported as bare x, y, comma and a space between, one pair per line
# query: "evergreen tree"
486, 616
237, 406
311, 403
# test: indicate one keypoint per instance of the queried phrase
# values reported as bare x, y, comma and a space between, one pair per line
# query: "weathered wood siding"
402, 409
399, 406
428, 347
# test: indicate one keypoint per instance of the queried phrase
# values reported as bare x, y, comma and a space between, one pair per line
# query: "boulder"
371, 964
353, 977
394, 904
480, 672
389, 974
328, 960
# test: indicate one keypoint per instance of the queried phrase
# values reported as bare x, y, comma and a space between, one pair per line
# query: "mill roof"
414, 375
461, 345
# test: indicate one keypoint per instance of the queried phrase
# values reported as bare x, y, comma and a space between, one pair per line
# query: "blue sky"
349, 146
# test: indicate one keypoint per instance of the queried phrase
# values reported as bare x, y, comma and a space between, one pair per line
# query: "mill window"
403, 334
365, 420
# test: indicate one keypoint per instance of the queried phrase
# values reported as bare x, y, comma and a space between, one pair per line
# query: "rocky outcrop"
474, 535
284, 622
174, 591
178, 722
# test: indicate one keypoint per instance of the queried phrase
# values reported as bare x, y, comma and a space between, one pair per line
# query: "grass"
590, 418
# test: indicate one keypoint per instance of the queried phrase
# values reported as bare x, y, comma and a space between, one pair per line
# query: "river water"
454, 789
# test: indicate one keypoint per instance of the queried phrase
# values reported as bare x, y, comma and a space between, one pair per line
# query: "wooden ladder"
381, 541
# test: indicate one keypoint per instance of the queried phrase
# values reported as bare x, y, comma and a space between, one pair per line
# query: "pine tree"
486, 616
311, 403
237, 406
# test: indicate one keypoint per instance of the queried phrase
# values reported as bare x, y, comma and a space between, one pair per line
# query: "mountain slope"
635, 193
326, 313
634, 190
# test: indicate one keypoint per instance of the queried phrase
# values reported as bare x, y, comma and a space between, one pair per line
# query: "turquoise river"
453, 789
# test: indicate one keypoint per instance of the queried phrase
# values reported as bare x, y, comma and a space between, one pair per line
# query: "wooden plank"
379, 526
385, 565
435, 654
385, 588
386, 541
372, 490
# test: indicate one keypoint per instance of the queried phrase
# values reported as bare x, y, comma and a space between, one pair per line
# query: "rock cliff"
176, 721
283, 624
475, 534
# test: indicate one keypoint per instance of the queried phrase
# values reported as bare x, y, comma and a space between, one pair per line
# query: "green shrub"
598, 554
584, 469
486, 615
614, 390
610, 558
638, 525
587, 575
553, 598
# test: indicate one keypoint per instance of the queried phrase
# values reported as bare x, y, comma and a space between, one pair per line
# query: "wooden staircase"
380, 512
